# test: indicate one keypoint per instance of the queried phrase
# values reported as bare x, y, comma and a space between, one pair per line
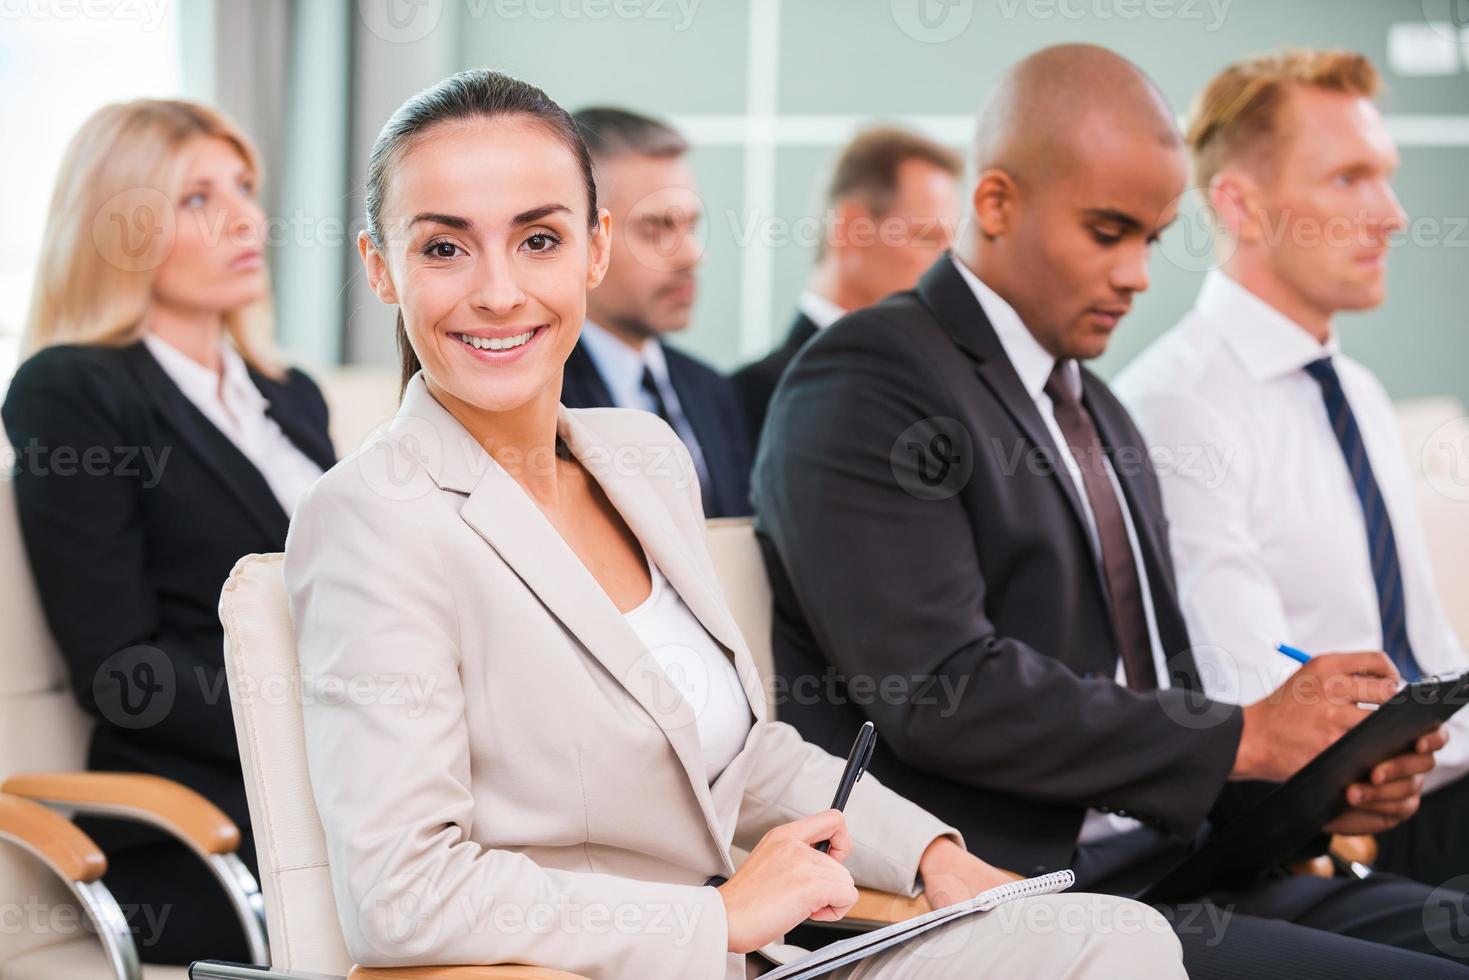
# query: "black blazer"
134, 507
918, 535
709, 402
755, 382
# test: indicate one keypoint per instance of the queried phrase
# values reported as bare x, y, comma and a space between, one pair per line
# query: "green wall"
833, 63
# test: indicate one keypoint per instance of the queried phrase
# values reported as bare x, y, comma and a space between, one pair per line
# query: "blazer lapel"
314, 443
954, 303
802, 330
212, 447
502, 513
655, 527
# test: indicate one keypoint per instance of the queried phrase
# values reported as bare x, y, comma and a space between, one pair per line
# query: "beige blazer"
503, 771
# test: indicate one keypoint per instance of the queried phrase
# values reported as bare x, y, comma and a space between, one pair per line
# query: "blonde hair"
125, 161
1235, 114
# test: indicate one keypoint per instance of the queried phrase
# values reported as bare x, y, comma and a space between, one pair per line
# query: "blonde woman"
555, 732
158, 439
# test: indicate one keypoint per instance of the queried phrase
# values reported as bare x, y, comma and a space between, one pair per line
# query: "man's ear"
599, 249
1238, 203
375, 265
994, 200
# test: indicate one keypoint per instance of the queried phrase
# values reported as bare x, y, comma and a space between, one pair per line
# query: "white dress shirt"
236, 407
1034, 364
1269, 540
818, 309
698, 667
621, 368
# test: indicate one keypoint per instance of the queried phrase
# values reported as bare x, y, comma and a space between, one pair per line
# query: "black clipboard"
1285, 820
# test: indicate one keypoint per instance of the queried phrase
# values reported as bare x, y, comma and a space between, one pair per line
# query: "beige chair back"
41, 729
265, 685
362, 399
741, 571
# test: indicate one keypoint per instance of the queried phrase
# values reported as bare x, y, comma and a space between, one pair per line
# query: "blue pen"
1299, 656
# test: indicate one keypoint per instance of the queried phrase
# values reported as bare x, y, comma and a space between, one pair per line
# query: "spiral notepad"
846, 951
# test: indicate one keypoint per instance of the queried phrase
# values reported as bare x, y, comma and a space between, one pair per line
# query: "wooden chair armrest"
147, 799
885, 908
51, 837
1348, 850
502, 972
1360, 849
1317, 867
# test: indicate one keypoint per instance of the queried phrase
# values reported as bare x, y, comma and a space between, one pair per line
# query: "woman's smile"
500, 346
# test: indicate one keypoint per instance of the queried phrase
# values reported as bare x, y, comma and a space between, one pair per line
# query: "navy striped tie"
1387, 575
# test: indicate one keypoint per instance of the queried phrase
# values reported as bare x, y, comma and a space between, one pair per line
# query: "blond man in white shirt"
1285, 484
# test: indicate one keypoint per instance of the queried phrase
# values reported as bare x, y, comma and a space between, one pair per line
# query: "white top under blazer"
696, 666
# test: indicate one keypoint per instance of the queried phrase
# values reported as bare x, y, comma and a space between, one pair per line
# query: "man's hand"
1392, 792
951, 874
1315, 707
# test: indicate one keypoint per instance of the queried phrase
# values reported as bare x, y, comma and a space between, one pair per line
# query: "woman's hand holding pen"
786, 881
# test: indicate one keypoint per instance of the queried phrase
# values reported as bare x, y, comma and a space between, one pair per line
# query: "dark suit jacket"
755, 382
708, 401
134, 508
972, 593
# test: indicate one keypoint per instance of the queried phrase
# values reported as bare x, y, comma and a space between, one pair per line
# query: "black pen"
857, 761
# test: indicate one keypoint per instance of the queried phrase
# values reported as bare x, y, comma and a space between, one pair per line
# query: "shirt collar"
818, 309
621, 366
199, 382
1032, 362
1268, 343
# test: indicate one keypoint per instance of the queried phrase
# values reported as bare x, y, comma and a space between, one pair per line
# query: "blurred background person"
159, 440
621, 359
891, 208
1307, 532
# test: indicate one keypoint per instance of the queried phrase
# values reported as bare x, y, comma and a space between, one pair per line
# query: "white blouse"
698, 667
237, 408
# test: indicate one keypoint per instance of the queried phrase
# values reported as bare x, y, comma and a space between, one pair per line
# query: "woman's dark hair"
477, 93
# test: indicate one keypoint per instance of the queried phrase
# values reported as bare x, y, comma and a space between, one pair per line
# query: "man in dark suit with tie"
644, 180
967, 546
890, 211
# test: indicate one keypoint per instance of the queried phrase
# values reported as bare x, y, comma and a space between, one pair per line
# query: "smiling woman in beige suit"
534, 731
